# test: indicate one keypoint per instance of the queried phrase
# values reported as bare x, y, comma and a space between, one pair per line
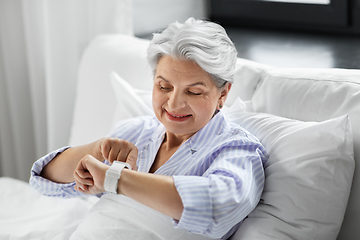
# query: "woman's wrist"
122, 181
113, 176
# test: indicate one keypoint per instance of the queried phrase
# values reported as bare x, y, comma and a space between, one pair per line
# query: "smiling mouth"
177, 117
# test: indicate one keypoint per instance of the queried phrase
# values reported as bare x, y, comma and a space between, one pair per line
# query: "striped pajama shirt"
218, 172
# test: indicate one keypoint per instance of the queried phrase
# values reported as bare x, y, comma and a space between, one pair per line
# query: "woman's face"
184, 96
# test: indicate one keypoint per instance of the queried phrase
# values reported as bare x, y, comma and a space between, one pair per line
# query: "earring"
220, 106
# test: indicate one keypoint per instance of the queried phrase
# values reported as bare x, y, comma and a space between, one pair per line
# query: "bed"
308, 119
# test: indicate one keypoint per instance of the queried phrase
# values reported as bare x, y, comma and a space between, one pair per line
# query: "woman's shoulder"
221, 131
235, 131
235, 135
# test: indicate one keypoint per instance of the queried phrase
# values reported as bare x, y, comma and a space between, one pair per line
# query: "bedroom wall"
150, 16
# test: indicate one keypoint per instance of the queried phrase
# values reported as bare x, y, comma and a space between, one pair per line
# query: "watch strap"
112, 176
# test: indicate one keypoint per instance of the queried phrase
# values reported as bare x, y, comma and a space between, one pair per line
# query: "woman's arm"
210, 204
155, 191
61, 168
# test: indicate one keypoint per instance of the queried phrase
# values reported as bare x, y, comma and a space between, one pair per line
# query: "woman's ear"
224, 93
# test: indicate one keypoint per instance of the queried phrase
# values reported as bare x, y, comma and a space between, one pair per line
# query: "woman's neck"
172, 141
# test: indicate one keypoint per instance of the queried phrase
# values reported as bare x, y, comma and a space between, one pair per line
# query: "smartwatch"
112, 176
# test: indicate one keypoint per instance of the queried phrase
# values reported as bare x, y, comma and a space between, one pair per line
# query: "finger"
132, 158
84, 174
125, 149
114, 153
123, 154
83, 181
105, 149
79, 187
84, 189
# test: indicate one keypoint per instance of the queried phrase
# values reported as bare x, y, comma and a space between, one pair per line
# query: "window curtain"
41, 43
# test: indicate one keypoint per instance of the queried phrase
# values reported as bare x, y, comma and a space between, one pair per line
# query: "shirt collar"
215, 126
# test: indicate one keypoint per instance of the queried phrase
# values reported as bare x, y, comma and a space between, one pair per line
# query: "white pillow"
317, 95
131, 102
95, 101
246, 78
308, 176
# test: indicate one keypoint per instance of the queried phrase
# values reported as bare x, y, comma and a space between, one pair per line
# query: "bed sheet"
25, 214
121, 218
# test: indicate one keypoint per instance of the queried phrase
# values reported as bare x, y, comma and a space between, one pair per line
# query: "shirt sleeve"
47, 187
226, 193
128, 129
50, 188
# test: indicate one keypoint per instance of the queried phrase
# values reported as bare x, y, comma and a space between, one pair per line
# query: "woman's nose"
176, 100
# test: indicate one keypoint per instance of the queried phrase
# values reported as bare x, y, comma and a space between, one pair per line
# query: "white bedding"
119, 217
25, 215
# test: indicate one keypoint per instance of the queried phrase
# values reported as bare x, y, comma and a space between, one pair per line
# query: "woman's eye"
165, 88
194, 93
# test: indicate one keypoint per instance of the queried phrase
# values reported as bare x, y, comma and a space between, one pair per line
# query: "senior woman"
188, 162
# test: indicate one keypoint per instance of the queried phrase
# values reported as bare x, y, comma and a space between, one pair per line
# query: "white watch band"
112, 176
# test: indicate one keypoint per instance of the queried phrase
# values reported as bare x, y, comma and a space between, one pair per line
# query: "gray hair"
205, 43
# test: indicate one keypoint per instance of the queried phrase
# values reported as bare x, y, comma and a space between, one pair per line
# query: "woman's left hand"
90, 175
153, 190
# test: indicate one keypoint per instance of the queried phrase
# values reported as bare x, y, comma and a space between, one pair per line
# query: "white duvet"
25, 215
